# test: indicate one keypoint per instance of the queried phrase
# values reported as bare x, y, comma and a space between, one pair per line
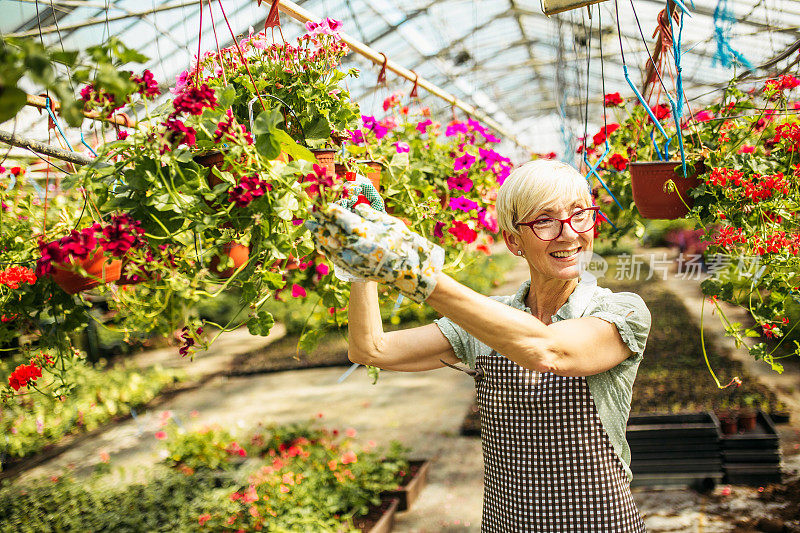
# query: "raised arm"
408, 350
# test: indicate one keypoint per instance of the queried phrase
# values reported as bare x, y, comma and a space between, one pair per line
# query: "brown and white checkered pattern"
549, 464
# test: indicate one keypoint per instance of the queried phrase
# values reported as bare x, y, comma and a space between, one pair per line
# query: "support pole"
41, 103
44, 149
302, 15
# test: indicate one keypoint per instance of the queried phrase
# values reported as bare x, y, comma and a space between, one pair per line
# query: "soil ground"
424, 411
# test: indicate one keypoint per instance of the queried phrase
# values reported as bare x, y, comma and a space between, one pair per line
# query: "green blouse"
611, 389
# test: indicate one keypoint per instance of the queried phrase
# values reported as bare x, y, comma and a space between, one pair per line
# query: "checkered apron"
549, 464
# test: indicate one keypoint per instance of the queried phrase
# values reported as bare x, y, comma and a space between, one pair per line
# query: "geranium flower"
178, 132
704, 116
402, 147
181, 81
228, 129
601, 136
356, 137
746, 149
463, 232
14, 276
661, 111
618, 161
148, 86
612, 100
121, 234
24, 376
464, 162
248, 188
460, 182
298, 291
193, 100
391, 101
348, 457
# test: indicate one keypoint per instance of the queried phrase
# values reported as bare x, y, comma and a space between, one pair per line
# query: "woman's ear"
512, 242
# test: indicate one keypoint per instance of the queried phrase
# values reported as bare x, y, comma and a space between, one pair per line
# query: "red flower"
228, 129
193, 100
463, 232
618, 162
248, 188
203, 518
661, 111
148, 86
298, 291
601, 136
612, 100
121, 234
177, 133
24, 375
12, 277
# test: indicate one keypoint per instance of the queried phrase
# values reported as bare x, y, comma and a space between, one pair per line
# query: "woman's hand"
378, 247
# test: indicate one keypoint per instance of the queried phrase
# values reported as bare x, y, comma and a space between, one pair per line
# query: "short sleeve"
459, 340
630, 314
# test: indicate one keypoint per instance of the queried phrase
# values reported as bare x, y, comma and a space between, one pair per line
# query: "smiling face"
547, 257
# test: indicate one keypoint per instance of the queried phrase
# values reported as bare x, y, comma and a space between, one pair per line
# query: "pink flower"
322, 269
194, 99
402, 147
348, 457
203, 518
455, 127
464, 162
460, 182
746, 149
704, 116
437, 230
298, 291
350, 432
422, 127
161, 435
181, 80
462, 204
333, 25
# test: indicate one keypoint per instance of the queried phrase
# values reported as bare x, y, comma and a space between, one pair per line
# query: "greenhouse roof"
507, 58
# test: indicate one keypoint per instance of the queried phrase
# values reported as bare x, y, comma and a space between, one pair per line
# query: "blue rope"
593, 170
609, 221
87, 145
677, 113
55, 121
723, 22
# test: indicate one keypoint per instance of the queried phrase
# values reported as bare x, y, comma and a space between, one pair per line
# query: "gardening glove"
359, 190
378, 247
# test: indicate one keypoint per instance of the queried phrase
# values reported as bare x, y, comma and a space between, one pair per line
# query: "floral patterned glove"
359, 190
378, 247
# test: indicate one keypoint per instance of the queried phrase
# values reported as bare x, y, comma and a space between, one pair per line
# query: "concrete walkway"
422, 410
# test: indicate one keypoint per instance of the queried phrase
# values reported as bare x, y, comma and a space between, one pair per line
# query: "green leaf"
274, 280
12, 99
268, 146
289, 146
267, 121
261, 323
310, 339
317, 132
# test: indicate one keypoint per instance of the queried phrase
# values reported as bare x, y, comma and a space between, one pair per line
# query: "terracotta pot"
374, 174
210, 160
727, 421
238, 252
325, 157
340, 168
746, 420
100, 269
647, 183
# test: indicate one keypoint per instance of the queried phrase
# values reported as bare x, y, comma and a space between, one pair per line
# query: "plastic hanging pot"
99, 268
237, 252
647, 183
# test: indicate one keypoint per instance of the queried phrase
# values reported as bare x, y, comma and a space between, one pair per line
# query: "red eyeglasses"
549, 228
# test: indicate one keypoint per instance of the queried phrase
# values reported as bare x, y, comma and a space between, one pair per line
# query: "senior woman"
554, 364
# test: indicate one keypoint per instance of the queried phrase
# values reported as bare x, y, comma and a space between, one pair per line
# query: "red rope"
241, 55
216, 40
199, 40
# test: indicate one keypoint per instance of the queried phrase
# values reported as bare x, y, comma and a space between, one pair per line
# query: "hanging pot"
326, 158
99, 268
374, 173
647, 183
238, 252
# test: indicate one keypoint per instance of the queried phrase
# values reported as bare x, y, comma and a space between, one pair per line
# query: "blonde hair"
538, 185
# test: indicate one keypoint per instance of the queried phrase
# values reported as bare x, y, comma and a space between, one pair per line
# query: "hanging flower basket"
99, 269
326, 158
238, 252
647, 182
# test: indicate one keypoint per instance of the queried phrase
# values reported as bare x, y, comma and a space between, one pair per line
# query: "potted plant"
301, 81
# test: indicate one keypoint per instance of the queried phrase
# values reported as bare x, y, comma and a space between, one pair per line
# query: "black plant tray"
753, 458
676, 466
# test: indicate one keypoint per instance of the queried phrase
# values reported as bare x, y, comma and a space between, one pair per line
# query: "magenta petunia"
422, 127
462, 204
464, 162
454, 128
402, 147
460, 182
437, 230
